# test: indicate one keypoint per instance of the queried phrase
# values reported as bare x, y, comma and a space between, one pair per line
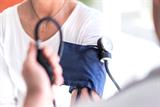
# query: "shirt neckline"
51, 38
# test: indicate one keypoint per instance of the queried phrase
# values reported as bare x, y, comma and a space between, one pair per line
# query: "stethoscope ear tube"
40, 57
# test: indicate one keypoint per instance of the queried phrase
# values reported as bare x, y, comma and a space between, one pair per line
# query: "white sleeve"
93, 29
1, 34
6, 96
1, 44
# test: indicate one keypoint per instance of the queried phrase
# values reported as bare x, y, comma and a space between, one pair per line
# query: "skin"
30, 11
156, 16
38, 85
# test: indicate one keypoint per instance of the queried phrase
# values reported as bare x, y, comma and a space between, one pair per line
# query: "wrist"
38, 98
40, 92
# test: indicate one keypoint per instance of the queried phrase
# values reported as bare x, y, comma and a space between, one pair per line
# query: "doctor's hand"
37, 81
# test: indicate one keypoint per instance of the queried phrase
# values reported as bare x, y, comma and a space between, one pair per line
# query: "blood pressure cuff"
82, 68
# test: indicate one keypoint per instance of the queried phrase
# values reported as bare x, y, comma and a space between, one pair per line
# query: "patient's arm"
83, 96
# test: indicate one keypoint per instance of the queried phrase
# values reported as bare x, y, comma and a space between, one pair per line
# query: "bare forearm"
84, 96
38, 100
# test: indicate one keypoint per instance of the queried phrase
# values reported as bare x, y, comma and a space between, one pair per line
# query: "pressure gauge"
105, 47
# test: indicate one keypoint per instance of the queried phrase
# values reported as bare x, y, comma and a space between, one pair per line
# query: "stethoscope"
103, 56
40, 57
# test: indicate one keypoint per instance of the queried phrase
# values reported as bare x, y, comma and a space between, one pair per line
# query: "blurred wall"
137, 20
93, 3
7, 3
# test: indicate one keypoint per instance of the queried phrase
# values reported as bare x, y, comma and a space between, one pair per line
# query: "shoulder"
87, 13
86, 10
84, 25
92, 24
6, 17
7, 14
8, 10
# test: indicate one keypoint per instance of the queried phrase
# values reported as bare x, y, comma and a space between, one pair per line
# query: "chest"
46, 29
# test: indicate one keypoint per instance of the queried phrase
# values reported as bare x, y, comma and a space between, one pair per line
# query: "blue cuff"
82, 68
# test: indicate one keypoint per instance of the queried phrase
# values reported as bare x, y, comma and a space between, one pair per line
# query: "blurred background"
129, 25
137, 19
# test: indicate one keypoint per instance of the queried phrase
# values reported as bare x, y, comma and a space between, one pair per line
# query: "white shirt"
82, 27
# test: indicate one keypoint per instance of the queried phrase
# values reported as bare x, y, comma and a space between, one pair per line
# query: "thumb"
31, 54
